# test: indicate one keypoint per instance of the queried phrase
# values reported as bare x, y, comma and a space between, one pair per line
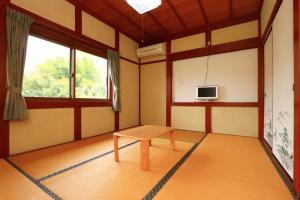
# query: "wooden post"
145, 154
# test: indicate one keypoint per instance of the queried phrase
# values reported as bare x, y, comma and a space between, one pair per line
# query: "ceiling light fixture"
142, 6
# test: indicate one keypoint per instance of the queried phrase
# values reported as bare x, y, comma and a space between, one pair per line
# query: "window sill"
43, 102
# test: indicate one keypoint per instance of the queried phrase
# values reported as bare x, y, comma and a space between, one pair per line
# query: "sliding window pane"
91, 76
47, 69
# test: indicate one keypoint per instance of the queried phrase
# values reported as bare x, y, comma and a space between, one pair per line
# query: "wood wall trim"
296, 98
270, 21
48, 28
45, 103
216, 49
4, 124
78, 20
169, 73
139, 91
86, 138
261, 86
129, 60
207, 119
77, 123
88, 11
217, 104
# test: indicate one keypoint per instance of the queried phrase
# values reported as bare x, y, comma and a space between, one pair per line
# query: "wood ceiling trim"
127, 18
177, 15
261, 3
158, 23
230, 9
203, 29
203, 12
92, 13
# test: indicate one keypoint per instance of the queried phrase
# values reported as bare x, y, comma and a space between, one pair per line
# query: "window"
49, 72
91, 73
47, 69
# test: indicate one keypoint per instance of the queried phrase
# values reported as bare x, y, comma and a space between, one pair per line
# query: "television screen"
207, 92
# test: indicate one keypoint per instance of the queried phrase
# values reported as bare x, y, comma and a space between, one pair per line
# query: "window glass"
47, 69
91, 76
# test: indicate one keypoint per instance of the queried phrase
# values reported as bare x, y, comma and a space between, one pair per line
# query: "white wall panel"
268, 108
283, 79
235, 73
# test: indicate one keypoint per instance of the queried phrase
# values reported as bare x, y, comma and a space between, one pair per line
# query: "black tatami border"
33, 180
283, 177
83, 162
149, 196
171, 172
38, 183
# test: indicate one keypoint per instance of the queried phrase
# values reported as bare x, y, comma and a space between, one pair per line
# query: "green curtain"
18, 28
113, 64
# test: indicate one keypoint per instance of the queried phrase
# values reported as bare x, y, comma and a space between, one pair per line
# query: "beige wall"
128, 48
96, 121
235, 73
153, 93
266, 12
129, 115
97, 30
187, 43
188, 118
58, 11
235, 33
235, 121
43, 128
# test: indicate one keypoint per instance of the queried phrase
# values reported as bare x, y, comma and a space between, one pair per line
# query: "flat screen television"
207, 93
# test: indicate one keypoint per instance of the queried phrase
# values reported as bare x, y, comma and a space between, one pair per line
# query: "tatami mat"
186, 136
43, 162
13, 185
105, 179
226, 167
221, 167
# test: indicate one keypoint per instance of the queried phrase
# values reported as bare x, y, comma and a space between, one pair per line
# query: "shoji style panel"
283, 95
268, 110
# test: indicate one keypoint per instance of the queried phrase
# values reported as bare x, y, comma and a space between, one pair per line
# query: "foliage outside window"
91, 73
48, 70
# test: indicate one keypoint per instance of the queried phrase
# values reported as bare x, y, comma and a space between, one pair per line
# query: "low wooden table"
144, 134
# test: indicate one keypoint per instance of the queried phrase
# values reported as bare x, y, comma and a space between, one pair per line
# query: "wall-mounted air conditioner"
150, 51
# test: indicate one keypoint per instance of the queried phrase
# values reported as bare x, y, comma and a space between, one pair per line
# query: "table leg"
172, 140
116, 148
150, 142
145, 154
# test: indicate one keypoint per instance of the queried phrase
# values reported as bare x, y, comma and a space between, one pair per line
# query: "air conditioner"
150, 51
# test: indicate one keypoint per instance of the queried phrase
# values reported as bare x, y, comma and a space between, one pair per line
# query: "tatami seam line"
83, 162
33, 180
38, 183
151, 194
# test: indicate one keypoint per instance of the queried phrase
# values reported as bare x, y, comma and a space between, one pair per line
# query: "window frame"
71, 101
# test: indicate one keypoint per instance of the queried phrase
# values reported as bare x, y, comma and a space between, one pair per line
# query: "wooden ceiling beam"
158, 23
92, 13
204, 28
230, 9
177, 15
106, 2
203, 12
261, 3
